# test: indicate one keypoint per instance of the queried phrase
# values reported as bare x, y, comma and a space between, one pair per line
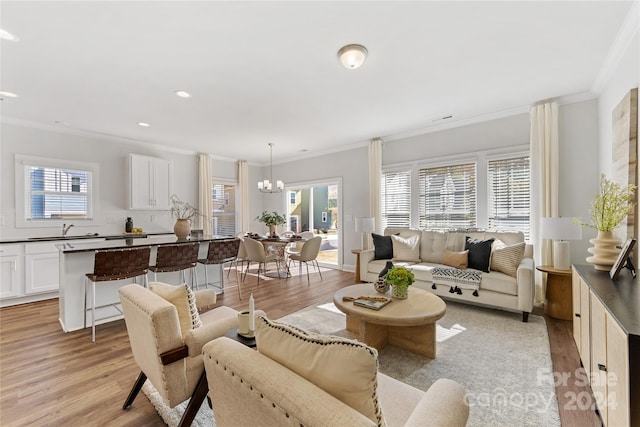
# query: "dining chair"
242, 254
179, 257
221, 252
257, 253
309, 253
110, 265
296, 247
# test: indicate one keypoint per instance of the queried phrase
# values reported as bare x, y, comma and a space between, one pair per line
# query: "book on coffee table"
373, 305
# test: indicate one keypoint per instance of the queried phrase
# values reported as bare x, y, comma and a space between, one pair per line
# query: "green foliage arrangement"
611, 205
182, 210
271, 218
400, 276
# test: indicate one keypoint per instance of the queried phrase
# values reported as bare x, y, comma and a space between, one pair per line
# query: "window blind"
224, 210
56, 193
447, 196
509, 194
396, 199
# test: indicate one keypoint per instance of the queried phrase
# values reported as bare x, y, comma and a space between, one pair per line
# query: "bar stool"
110, 265
221, 252
178, 257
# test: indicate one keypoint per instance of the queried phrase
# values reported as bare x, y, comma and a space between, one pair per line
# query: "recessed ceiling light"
6, 35
7, 94
183, 94
143, 124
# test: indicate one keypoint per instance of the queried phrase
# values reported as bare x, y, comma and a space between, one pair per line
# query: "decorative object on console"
271, 220
560, 230
364, 226
266, 186
624, 260
400, 278
182, 212
609, 207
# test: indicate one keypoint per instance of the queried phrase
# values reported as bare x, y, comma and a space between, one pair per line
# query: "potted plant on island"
610, 206
271, 220
182, 212
400, 278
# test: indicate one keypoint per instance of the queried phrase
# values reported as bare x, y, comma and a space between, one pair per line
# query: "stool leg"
206, 277
195, 275
93, 314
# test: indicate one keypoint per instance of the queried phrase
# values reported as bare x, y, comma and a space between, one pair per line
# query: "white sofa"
496, 288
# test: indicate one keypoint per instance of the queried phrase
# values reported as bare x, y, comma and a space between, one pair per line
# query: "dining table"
277, 245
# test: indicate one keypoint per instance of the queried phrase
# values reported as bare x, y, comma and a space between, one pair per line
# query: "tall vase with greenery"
183, 212
610, 206
271, 220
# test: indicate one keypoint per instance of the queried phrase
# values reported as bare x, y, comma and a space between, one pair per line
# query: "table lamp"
560, 230
365, 225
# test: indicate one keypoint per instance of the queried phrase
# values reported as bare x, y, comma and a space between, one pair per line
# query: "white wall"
112, 157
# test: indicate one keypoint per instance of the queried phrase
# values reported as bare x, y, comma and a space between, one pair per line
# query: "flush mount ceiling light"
266, 186
352, 56
143, 124
183, 94
7, 94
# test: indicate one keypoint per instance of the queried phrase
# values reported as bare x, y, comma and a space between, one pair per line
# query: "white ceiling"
266, 72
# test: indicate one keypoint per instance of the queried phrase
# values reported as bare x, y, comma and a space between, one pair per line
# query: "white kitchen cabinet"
11, 270
149, 182
41, 268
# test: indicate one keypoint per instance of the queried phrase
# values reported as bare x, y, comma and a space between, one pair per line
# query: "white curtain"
205, 190
544, 182
375, 175
243, 184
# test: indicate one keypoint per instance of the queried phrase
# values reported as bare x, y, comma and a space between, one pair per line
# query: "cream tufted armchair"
169, 358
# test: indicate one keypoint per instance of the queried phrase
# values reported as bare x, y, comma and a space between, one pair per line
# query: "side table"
233, 334
356, 252
558, 300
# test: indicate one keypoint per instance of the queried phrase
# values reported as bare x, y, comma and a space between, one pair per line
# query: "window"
509, 197
396, 199
54, 191
224, 210
447, 196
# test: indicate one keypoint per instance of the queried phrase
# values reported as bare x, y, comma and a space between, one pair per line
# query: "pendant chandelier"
266, 186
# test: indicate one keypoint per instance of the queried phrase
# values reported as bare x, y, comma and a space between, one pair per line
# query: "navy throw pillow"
479, 253
383, 247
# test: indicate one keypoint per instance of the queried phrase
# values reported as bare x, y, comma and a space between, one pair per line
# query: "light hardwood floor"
51, 378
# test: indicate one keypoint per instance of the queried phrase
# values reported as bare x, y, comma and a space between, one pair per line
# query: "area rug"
504, 364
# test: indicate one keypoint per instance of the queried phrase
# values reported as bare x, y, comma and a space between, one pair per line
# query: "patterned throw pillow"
344, 368
455, 259
479, 253
406, 248
506, 259
185, 301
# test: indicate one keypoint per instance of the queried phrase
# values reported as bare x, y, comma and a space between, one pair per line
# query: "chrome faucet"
65, 228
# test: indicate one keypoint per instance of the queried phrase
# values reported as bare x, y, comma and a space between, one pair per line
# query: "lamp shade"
560, 229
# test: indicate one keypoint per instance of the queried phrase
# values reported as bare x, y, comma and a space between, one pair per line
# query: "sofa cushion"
499, 282
479, 253
432, 245
344, 368
185, 301
506, 259
457, 260
383, 248
406, 248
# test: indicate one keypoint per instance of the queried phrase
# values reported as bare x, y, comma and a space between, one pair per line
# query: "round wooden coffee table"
407, 323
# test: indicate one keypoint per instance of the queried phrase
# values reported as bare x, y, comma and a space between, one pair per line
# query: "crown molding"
621, 43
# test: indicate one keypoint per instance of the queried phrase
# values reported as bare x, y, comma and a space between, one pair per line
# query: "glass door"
315, 208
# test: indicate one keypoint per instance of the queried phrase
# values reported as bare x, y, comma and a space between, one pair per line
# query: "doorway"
315, 207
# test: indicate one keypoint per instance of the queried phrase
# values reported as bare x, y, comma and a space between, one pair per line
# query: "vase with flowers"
183, 212
271, 220
610, 206
400, 279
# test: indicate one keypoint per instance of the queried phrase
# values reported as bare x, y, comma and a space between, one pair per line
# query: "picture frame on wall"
623, 260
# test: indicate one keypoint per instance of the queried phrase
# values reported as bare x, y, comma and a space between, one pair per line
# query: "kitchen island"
77, 259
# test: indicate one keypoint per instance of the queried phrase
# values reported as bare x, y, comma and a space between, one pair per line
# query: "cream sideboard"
606, 329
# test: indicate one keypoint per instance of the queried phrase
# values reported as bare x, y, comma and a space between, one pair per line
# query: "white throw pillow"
185, 301
406, 248
344, 368
506, 259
